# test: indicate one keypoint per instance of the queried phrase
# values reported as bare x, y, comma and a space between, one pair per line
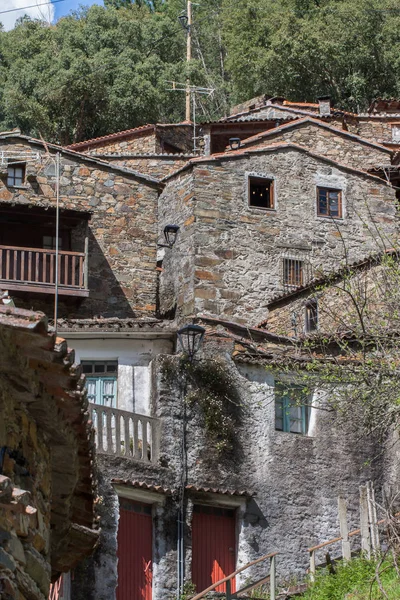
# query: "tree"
300, 50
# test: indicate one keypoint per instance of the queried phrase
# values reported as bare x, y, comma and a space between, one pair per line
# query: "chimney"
324, 105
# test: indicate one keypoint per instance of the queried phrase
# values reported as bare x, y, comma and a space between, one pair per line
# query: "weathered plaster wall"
238, 250
332, 145
122, 233
295, 480
134, 366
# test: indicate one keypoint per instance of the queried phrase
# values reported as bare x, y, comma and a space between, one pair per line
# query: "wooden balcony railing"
123, 433
36, 268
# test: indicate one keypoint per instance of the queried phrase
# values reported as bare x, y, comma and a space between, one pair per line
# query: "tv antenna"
192, 90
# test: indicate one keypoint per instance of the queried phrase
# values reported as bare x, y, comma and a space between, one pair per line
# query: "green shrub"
355, 581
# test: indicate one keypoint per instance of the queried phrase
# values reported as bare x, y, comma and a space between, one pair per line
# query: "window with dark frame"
101, 381
261, 192
292, 408
329, 202
293, 272
15, 175
311, 316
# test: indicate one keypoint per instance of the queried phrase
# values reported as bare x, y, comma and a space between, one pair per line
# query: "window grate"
293, 272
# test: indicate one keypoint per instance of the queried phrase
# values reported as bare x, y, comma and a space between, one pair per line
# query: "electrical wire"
31, 6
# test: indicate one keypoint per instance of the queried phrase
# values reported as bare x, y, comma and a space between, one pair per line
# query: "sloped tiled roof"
309, 120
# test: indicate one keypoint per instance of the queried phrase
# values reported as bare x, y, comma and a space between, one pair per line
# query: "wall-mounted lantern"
183, 20
234, 143
190, 338
170, 233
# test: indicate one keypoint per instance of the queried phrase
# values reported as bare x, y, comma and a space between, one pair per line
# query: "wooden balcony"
34, 270
122, 433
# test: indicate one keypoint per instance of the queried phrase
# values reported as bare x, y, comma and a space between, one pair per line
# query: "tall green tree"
304, 48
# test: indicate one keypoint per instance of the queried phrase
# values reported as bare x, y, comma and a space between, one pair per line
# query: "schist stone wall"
291, 481
25, 493
327, 142
145, 141
228, 258
374, 286
122, 230
156, 165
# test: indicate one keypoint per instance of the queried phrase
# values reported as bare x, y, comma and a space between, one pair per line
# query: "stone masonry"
227, 261
122, 206
47, 521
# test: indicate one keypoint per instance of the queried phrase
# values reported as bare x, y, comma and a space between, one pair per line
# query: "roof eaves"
113, 136
272, 148
86, 158
317, 123
328, 278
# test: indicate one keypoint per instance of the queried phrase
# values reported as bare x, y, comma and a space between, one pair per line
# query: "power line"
30, 6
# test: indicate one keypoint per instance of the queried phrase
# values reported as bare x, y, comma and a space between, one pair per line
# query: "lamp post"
190, 338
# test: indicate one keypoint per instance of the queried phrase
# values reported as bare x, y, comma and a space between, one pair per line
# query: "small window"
293, 272
311, 316
291, 409
396, 132
101, 381
15, 175
329, 203
261, 192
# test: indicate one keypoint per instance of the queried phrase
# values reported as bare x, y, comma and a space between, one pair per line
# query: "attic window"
16, 175
329, 202
293, 272
261, 192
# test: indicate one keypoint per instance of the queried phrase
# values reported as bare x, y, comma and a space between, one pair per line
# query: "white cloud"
44, 11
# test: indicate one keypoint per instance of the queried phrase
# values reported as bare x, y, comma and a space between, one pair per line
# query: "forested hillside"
105, 69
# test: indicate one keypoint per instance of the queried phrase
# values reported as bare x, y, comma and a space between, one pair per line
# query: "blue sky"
63, 8
11, 10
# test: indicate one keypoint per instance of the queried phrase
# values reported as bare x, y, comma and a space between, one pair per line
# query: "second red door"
213, 546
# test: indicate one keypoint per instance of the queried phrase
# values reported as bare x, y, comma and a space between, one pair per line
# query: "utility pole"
188, 56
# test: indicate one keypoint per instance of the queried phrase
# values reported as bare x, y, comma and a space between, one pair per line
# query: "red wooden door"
213, 546
134, 551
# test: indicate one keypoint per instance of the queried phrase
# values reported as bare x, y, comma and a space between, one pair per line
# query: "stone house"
47, 493
185, 450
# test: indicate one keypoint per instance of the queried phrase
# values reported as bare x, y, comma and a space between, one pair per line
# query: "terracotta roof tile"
224, 491
143, 485
112, 136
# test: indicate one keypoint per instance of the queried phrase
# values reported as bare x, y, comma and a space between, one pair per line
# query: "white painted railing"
123, 433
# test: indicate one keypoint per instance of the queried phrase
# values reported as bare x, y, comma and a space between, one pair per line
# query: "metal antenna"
193, 90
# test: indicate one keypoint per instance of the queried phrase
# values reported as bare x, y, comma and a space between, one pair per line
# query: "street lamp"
190, 338
234, 143
183, 20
